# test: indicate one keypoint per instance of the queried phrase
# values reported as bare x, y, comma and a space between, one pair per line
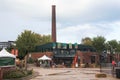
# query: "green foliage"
30, 61
12, 74
29, 72
99, 43
118, 48
46, 39
87, 41
28, 40
113, 44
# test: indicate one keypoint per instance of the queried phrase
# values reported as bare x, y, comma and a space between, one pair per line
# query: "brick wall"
37, 55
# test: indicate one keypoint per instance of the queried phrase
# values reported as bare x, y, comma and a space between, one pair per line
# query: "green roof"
67, 46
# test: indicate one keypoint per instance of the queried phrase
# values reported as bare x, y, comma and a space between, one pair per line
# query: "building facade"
7, 44
67, 53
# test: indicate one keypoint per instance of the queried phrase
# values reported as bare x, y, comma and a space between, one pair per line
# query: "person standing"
113, 67
113, 64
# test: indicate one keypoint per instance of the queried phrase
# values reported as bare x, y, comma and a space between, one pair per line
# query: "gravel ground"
68, 74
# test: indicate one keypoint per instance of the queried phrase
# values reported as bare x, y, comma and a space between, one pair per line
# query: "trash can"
117, 73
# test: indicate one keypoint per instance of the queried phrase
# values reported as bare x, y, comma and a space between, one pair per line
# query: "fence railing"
106, 68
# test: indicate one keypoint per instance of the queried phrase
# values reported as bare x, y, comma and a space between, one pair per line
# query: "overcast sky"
76, 19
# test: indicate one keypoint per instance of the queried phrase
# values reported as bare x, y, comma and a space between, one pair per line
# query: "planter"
100, 75
82, 65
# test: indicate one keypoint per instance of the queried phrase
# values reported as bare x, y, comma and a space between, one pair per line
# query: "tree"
28, 40
87, 41
99, 43
46, 39
118, 48
113, 43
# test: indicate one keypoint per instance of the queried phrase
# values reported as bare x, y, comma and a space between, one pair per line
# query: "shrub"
11, 74
30, 61
29, 72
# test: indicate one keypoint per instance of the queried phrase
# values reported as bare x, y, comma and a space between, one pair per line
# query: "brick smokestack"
53, 23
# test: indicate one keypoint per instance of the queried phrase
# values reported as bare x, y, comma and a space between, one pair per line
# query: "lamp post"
100, 62
112, 52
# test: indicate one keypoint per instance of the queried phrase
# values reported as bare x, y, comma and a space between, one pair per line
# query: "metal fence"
106, 68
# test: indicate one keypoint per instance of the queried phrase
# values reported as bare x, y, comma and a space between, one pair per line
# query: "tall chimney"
53, 24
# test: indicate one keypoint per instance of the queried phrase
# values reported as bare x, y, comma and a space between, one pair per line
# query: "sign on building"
64, 46
70, 45
76, 45
59, 45
54, 45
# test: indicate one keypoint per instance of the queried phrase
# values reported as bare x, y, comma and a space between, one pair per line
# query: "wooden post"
1, 74
25, 62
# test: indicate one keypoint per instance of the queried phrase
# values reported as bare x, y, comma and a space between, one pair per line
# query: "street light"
112, 51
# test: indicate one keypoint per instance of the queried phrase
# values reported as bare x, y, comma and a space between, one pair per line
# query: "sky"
76, 19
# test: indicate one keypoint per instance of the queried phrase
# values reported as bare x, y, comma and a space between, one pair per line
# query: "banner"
76, 45
14, 52
64, 46
54, 45
7, 61
59, 45
70, 45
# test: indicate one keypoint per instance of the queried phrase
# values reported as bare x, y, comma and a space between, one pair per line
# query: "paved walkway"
68, 74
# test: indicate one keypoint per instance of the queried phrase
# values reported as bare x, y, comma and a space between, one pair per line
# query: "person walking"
113, 67
113, 64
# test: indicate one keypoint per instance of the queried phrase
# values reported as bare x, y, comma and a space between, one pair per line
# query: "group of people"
45, 63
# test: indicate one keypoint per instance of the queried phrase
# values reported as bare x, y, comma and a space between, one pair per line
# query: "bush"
100, 75
30, 61
29, 72
11, 74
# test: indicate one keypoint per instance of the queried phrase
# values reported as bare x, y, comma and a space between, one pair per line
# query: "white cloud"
88, 10
75, 19
76, 11
115, 31
76, 33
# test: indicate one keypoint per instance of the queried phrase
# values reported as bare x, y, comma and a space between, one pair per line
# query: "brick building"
69, 54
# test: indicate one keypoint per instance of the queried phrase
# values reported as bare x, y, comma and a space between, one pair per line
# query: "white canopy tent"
44, 58
6, 59
4, 53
